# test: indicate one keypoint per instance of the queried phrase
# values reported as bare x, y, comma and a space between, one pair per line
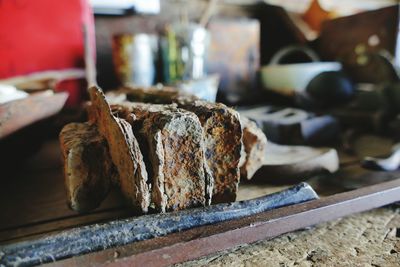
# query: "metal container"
133, 56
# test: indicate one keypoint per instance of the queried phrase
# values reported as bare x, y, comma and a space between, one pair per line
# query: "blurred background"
333, 62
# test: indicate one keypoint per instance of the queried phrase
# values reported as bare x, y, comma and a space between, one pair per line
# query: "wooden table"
367, 239
33, 203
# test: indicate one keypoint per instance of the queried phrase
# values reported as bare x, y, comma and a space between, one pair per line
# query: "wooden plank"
31, 198
17, 114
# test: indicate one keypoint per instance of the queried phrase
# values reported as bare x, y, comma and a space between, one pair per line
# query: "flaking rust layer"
167, 95
255, 146
124, 151
175, 153
88, 170
222, 135
223, 143
175, 142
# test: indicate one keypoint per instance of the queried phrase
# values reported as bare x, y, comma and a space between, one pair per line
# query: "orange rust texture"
223, 135
183, 159
88, 169
255, 145
183, 184
124, 151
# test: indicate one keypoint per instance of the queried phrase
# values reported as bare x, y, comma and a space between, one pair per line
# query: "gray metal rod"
97, 237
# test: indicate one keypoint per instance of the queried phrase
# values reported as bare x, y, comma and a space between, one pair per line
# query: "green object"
184, 52
173, 63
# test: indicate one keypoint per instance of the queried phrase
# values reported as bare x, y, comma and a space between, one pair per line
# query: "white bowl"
205, 88
288, 79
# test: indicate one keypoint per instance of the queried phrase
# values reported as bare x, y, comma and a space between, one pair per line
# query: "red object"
44, 35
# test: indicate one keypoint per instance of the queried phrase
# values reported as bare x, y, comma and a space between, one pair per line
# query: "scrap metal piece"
222, 135
255, 148
88, 169
171, 140
223, 143
124, 150
167, 95
177, 157
293, 126
292, 164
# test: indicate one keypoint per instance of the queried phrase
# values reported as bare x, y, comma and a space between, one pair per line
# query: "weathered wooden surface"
17, 114
367, 239
33, 199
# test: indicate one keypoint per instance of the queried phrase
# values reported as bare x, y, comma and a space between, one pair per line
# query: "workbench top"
367, 239
33, 204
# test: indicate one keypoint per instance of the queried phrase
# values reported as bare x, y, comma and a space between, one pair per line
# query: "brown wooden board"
33, 199
17, 114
